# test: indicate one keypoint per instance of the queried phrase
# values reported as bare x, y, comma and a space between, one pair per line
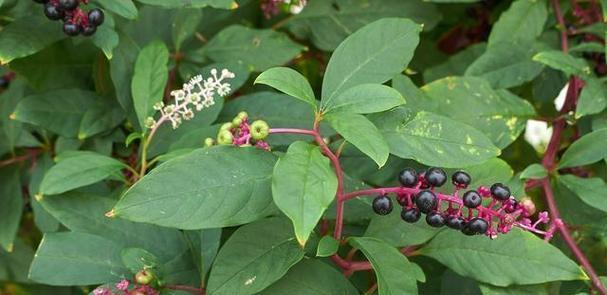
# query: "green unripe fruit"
144, 277
236, 122
225, 126
260, 130
225, 137
209, 142
242, 115
246, 145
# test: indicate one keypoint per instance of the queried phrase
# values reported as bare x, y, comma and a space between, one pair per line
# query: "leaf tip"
302, 242
111, 213
234, 5
13, 116
39, 197
82, 136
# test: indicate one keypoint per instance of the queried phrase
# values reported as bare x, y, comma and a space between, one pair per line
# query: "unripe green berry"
209, 142
260, 130
242, 115
225, 126
144, 277
225, 137
236, 122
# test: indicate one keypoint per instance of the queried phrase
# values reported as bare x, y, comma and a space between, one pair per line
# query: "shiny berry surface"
382, 205
426, 201
435, 177
408, 177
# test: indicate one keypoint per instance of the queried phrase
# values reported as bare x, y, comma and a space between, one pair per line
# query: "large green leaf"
563, 62
184, 26
327, 23
593, 99
107, 39
254, 257
373, 54
498, 114
14, 265
455, 65
122, 67
394, 231
43, 219
26, 36
433, 140
259, 49
395, 274
11, 205
590, 148
312, 277
522, 258
593, 191
84, 259
207, 188
522, 23
225, 4
366, 99
149, 79
359, 131
303, 186
78, 170
487, 289
124, 8
290, 82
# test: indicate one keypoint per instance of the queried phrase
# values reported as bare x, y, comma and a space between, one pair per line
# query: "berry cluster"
75, 21
144, 283
240, 133
487, 211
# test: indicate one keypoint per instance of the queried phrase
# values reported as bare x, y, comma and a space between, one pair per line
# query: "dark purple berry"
500, 192
4, 82
512, 206
71, 29
52, 12
455, 222
435, 177
410, 215
382, 205
88, 30
478, 225
408, 177
466, 230
472, 199
41, 1
68, 4
426, 201
96, 17
435, 219
461, 179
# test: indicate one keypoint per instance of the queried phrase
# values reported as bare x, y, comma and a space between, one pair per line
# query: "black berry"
478, 225
512, 206
410, 215
435, 177
435, 219
4, 82
96, 17
466, 230
402, 200
382, 205
472, 199
461, 179
500, 192
88, 30
68, 4
41, 1
52, 12
408, 177
71, 29
456, 222
426, 201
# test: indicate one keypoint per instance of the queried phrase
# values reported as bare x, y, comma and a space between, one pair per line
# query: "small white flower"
188, 115
158, 106
538, 134
559, 101
149, 122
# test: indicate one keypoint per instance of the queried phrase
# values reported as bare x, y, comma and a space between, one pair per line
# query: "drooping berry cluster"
240, 133
144, 283
75, 21
487, 211
272, 8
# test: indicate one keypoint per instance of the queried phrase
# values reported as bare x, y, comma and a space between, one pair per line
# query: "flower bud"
528, 204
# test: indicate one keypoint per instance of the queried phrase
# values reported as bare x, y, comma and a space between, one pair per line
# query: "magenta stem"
292, 131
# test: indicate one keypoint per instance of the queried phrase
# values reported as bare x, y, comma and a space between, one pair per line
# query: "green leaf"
14, 265
359, 131
106, 39
78, 170
11, 205
593, 99
207, 188
522, 258
26, 36
514, 290
433, 140
373, 54
290, 82
534, 171
258, 49
99, 119
84, 259
395, 274
327, 246
64, 112
43, 219
500, 115
124, 8
405, 234
328, 23
136, 259
456, 64
522, 23
590, 148
506, 65
366, 99
149, 79
312, 277
224, 4
593, 191
254, 257
185, 23
121, 71
303, 186
563, 62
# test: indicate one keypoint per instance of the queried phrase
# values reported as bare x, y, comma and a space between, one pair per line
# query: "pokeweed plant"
155, 157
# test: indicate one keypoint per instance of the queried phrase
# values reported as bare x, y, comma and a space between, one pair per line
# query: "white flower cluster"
196, 94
